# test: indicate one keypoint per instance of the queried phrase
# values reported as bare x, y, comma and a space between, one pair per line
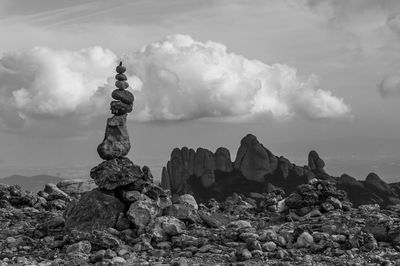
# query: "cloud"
389, 86
345, 8
393, 23
179, 78
44, 84
176, 78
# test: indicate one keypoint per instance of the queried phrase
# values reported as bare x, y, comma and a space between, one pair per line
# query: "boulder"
147, 175
132, 196
114, 173
183, 212
304, 240
188, 200
80, 247
243, 254
54, 192
254, 160
168, 226
94, 210
76, 187
142, 212
215, 219
116, 142
269, 246
240, 224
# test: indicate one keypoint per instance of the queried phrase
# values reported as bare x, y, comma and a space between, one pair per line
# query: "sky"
299, 74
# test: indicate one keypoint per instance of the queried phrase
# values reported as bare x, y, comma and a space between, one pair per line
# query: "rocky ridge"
209, 175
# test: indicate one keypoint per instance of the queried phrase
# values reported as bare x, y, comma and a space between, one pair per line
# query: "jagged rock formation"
253, 160
212, 175
186, 162
372, 190
316, 164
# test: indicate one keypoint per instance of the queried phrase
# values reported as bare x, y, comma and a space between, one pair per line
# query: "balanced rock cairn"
126, 197
116, 170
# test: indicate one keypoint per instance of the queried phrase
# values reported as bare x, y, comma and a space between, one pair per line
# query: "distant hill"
31, 183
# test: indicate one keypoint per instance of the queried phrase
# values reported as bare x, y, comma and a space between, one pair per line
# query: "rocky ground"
315, 225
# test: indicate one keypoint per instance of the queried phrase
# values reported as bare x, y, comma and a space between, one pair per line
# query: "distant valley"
31, 183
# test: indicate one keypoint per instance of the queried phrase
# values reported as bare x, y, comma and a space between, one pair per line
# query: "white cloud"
186, 79
43, 83
174, 79
390, 85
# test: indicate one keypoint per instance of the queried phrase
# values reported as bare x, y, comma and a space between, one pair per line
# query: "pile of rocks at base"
154, 230
316, 197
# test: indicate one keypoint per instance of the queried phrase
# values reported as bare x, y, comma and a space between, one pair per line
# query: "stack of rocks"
315, 197
116, 170
126, 197
273, 199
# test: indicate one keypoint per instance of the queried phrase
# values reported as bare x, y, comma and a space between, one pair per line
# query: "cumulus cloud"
179, 78
174, 79
390, 85
43, 83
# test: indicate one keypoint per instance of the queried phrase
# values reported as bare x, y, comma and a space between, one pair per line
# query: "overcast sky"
299, 75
